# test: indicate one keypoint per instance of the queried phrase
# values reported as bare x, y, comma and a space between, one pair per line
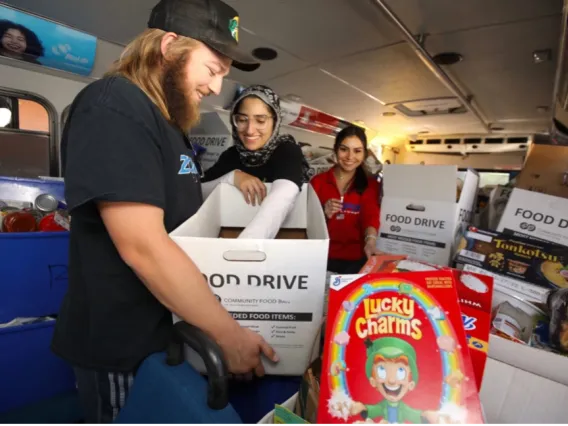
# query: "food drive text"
388, 316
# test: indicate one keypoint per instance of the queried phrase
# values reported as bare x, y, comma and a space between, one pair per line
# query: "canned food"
49, 223
5, 211
35, 213
19, 222
46, 203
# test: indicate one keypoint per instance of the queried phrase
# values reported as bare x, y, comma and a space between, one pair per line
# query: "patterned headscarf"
261, 156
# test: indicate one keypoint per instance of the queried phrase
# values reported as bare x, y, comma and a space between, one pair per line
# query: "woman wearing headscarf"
260, 154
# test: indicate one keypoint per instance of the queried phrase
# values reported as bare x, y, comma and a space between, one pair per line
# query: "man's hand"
251, 187
243, 352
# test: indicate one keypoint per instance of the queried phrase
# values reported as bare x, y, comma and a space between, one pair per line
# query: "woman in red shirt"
350, 199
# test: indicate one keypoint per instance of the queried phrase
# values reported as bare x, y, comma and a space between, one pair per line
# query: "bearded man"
130, 178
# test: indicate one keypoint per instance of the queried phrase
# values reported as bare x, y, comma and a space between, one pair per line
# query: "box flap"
536, 216
206, 222
435, 183
468, 195
317, 226
536, 361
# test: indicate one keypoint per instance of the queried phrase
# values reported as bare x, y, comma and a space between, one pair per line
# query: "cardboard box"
545, 170
274, 287
512, 395
536, 216
537, 361
419, 213
527, 267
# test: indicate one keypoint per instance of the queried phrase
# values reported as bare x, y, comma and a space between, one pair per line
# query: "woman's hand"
331, 207
371, 247
251, 187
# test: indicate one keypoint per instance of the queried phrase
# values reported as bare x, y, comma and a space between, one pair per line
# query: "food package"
534, 268
558, 329
475, 297
308, 396
395, 351
283, 416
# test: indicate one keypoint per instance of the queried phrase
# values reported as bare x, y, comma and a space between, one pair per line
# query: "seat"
168, 390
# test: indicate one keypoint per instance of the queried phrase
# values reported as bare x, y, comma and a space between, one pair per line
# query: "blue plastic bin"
252, 400
29, 371
33, 266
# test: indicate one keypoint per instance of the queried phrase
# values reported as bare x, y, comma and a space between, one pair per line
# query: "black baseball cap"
210, 21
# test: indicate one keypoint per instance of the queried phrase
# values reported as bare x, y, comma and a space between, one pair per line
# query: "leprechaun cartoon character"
391, 369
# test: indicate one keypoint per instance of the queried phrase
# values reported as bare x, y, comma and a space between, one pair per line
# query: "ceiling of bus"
346, 58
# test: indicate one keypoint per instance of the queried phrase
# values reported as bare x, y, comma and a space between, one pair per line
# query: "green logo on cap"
234, 28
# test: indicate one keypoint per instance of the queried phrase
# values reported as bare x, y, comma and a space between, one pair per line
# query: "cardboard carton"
419, 213
536, 216
545, 170
274, 287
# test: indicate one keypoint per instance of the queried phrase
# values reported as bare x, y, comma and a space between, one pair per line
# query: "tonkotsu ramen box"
396, 352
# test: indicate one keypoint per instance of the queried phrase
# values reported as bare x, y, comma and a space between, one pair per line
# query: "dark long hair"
34, 47
360, 182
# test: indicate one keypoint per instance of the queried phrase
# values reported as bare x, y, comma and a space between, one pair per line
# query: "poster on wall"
32, 39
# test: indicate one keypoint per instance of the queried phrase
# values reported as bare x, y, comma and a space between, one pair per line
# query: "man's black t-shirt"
117, 146
284, 163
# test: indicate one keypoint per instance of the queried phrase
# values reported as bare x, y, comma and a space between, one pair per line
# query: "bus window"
33, 116
27, 137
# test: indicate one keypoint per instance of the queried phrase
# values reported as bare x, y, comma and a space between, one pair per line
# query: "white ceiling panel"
316, 30
498, 67
391, 74
283, 64
326, 93
441, 16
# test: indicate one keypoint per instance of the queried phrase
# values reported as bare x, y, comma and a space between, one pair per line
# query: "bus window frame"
53, 118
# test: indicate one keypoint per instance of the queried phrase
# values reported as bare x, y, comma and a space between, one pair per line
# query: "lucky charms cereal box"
396, 352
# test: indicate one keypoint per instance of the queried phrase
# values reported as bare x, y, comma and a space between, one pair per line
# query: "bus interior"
470, 83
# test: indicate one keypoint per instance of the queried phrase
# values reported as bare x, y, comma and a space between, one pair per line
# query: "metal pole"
430, 64
560, 68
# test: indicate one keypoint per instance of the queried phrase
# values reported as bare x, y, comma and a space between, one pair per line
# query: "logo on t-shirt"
351, 208
188, 166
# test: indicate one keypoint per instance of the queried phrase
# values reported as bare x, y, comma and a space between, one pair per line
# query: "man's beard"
183, 110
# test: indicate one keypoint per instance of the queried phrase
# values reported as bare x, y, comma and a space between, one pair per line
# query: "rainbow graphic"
441, 327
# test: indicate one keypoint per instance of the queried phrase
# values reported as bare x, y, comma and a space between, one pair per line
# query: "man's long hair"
143, 64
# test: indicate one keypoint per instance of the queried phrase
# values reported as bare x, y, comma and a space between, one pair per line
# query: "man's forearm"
179, 285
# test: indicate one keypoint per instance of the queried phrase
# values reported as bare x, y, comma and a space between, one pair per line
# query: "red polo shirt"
347, 228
